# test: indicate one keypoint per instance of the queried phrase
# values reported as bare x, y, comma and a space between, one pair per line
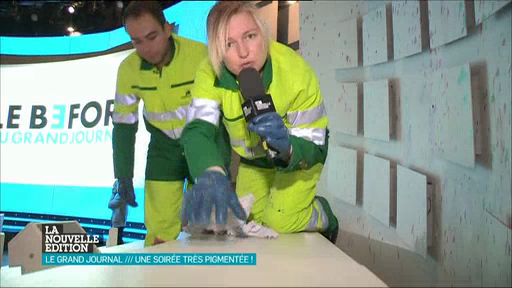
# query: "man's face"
245, 45
150, 39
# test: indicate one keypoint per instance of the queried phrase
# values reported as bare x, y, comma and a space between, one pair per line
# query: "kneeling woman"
284, 187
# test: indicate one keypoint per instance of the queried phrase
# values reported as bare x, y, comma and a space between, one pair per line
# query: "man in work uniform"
160, 73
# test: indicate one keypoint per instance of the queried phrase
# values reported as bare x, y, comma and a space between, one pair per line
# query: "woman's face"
245, 44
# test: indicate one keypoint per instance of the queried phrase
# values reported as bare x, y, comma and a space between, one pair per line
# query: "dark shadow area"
389, 30
359, 178
359, 41
392, 195
425, 39
470, 16
481, 117
283, 19
395, 113
360, 109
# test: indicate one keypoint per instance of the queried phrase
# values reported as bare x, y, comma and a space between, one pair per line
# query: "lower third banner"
56, 259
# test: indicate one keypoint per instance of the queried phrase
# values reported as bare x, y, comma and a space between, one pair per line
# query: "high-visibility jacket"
296, 94
166, 95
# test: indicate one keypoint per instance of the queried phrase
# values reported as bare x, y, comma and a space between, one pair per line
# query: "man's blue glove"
211, 188
122, 193
270, 127
119, 216
119, 207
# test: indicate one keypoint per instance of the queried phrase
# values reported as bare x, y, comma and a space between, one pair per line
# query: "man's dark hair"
136, 9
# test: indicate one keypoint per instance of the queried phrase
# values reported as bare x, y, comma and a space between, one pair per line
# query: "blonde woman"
284, 189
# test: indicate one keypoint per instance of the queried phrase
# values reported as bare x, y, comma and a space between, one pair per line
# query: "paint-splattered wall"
448, 68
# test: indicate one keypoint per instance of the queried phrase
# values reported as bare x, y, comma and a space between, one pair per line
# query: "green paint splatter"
463, 76
465, 99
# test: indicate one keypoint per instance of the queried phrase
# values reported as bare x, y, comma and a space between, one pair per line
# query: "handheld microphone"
256, 101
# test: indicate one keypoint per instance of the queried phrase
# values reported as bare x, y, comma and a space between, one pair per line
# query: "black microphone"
256, 101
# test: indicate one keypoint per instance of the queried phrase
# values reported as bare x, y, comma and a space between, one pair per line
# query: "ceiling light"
75, 33
71, 29
71, 9
34, 17
291, 2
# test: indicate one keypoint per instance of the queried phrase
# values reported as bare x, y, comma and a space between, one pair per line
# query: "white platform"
303, 259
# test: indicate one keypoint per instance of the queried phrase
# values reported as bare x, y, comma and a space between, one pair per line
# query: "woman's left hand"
271, 128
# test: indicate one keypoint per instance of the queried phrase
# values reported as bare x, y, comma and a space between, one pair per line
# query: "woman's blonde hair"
217, 25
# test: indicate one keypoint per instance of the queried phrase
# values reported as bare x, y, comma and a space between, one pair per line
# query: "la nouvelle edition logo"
56, 241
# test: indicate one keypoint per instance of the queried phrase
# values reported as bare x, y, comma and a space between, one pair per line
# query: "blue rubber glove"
119, 216
119, 207
270, 127
122, 193
211, 188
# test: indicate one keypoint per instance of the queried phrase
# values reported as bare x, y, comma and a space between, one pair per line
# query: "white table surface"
302, 259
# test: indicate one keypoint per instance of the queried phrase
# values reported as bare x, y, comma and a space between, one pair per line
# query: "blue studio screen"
56, 129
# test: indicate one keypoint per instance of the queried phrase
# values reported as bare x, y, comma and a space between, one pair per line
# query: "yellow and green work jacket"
296, 95
166, 95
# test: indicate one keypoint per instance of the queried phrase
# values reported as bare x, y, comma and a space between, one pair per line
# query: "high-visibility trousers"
162, 210
284, 202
